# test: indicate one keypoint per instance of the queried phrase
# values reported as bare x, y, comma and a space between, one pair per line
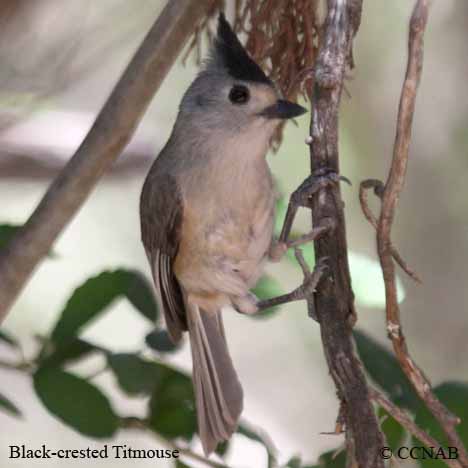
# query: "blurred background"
59, 60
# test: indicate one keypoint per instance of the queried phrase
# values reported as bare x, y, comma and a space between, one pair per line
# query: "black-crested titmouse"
207, 212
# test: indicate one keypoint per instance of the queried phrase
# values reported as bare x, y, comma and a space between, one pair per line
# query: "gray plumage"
207, 211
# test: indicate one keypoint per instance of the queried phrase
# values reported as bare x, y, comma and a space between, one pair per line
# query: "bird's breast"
228, 219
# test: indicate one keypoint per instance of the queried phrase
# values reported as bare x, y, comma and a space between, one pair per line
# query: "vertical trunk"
334, 302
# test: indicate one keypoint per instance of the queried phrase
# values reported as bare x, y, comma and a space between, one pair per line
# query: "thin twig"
378, 188
406, 421
390, 196
131, 422
110, 133
22, 366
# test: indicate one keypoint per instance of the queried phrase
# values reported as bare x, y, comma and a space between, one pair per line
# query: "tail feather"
218, 391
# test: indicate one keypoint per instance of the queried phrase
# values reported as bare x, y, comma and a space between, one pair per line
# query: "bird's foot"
279, 247
321, 178
303, 292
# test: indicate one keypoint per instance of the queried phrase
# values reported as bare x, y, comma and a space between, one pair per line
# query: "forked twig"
378, 187
390, 196
132, 422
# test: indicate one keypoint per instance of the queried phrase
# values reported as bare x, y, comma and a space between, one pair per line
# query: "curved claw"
331, 174
345, 179
321, 178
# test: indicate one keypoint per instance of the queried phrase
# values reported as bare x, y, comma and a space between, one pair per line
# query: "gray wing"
161, 211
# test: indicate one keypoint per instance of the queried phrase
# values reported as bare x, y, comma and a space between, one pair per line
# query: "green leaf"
172, 405
159, 340
9, 340
384, 370
454, 395
94, 296
266, 288
140, 294
64, 353
134, 374
76, 402
8, 406
394, 432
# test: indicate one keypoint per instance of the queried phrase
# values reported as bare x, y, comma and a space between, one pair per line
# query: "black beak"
283, 110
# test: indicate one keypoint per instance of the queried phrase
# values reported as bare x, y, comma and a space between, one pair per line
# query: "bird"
207, 211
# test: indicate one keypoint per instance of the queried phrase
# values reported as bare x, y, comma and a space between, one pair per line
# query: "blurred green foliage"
454, 395
96, 294
384, 370
159, 341
77, 402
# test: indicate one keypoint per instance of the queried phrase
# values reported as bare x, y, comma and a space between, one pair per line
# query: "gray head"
232, 93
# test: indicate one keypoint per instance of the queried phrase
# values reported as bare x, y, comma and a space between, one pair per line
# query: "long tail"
218, 392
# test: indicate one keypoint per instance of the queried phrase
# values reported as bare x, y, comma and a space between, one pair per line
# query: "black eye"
239, 94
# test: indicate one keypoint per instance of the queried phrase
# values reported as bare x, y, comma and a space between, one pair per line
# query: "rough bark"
334, 301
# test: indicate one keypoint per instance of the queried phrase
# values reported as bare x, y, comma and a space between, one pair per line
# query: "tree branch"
390, 194
109, 135
334, 301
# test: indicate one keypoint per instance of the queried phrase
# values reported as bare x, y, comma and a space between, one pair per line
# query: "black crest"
230, 54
